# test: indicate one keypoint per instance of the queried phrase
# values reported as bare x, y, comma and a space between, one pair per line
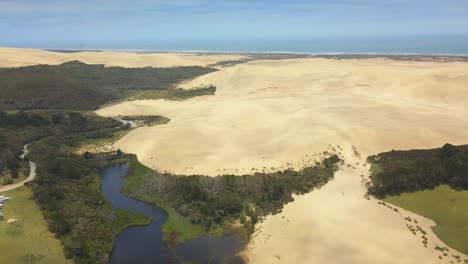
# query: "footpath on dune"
276, 114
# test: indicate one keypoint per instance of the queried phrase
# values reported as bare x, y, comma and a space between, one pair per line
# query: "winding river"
144, 244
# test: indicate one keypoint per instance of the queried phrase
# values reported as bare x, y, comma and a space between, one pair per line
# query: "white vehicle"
4, 199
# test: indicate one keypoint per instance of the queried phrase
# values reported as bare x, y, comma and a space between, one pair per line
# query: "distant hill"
78, 86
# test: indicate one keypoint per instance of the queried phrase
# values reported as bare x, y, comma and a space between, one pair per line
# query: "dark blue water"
144, 244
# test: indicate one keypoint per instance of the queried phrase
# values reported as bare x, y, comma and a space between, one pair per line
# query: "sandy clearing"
14, 57
283, 113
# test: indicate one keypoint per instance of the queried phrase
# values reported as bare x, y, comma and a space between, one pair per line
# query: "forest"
78, 86
396, 172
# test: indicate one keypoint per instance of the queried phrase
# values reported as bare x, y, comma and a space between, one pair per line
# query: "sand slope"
283, 113
13, 57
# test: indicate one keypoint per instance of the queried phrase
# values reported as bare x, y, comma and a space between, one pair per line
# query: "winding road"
32, 173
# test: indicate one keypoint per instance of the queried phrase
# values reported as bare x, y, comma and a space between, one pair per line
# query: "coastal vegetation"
199, 204
78, 86
432, 183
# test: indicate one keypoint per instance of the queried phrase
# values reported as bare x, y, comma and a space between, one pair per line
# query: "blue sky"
35, 22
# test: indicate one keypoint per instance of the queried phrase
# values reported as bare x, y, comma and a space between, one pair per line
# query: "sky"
37, 23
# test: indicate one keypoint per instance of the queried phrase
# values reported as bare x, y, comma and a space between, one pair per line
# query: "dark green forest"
396, 172
78, 86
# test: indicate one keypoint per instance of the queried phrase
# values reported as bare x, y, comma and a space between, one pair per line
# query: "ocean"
453, 45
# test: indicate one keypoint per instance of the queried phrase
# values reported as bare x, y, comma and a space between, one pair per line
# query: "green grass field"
447, 207
28, 240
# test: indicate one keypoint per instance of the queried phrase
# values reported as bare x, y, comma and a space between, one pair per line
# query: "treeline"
413, 170
78, 86
213, 202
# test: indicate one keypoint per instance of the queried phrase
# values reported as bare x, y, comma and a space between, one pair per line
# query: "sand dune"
269, 113
283, 113
13, 57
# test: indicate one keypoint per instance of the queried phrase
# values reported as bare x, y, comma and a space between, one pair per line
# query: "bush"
447, 151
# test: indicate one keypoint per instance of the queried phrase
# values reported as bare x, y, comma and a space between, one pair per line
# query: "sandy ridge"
14, 57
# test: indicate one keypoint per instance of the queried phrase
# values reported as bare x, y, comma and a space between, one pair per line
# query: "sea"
433, 45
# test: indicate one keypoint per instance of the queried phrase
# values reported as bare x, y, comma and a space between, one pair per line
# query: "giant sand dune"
276, 114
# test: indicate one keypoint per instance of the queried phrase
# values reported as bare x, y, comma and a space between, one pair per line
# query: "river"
144, 244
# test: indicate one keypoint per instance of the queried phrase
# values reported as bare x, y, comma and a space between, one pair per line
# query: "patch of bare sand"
280, 114
14, 57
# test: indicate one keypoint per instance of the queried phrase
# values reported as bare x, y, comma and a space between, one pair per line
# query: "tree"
88, 155
2, 167
15, 173
13, 164
447, 151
